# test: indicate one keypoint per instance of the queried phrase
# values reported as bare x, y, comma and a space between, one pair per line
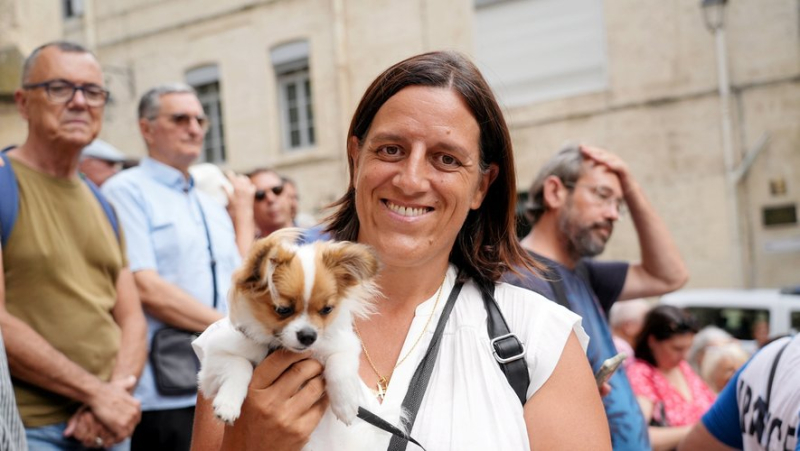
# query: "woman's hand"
285, 402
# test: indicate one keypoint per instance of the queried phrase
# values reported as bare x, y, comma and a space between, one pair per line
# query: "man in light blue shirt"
181, 244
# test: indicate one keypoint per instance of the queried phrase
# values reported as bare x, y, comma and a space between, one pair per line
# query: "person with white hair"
721, 362
707, 337
626, 319
759, 408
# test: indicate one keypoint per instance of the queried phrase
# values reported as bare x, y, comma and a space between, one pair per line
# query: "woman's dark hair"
486, 245
662, 322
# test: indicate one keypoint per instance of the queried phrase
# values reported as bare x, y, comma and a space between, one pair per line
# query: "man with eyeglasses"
69, 311
272, 209
574, 203
182, 249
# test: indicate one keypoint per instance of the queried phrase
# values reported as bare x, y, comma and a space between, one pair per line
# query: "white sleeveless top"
469, 404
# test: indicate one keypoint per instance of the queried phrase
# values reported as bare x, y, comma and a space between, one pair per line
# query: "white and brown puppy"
298, 298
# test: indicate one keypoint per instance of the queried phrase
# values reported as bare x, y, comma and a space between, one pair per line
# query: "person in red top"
672, 396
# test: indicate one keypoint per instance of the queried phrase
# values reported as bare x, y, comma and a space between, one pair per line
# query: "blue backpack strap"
9, 197
107, 208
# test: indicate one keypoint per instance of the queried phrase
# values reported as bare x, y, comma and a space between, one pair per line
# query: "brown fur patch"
339, 266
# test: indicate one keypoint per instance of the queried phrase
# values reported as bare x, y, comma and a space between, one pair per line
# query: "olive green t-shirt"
60, 265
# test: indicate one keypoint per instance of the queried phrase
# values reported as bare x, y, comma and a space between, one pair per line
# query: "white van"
738, 310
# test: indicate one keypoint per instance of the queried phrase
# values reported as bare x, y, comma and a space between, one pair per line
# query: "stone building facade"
639, 78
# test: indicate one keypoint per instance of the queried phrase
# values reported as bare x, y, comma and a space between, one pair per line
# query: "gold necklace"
383, 381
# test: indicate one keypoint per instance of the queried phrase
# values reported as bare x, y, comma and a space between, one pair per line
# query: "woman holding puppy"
432, 190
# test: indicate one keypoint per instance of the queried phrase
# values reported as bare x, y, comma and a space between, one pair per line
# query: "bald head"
55, 99
64, 46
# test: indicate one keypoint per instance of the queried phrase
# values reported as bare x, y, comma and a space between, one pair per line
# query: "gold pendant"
383, 385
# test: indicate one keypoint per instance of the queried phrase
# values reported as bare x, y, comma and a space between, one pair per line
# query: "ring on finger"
98, 442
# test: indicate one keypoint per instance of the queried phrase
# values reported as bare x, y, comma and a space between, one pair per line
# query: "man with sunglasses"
182, 249
574, 202
69, 311
272, 209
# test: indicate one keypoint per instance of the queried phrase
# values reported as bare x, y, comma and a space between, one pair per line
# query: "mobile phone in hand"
608, 368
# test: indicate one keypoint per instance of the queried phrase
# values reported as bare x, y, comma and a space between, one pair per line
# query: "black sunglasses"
276, 190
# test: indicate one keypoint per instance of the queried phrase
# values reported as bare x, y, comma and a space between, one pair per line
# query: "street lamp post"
714, 17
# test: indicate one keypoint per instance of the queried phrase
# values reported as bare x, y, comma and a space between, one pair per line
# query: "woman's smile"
407, 211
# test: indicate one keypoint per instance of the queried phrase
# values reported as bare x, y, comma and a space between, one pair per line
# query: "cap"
210, 179
103, 151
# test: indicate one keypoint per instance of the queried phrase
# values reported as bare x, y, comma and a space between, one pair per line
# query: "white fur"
231, 347
306, 256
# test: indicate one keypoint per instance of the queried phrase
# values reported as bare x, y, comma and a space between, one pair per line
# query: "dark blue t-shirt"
590, 292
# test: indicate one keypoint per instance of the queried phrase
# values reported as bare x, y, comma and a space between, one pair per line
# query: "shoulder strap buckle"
507, 348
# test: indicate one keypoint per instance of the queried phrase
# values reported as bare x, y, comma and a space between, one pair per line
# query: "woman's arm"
661, 437
566, 413
667, 438
285, 402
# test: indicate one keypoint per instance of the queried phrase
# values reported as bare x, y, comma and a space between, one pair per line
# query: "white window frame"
201, 79
72, 8
291, 65
303, 125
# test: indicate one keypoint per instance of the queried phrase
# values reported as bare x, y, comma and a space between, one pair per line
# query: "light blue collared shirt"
160, 212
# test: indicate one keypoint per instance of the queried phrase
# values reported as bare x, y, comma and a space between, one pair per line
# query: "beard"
583, 240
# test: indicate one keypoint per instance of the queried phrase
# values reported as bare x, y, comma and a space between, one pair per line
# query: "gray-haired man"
71, 318
181, 246
576, 199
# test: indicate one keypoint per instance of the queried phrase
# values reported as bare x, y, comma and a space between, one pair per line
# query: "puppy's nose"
306, 337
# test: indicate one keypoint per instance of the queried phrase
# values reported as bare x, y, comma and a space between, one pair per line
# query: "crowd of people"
103, 289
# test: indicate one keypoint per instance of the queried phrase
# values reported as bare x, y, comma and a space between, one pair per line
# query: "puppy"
294, 297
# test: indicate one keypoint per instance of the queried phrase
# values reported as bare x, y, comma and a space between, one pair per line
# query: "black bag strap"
380, 423
418, 384
210, 252
508, 350
773, 369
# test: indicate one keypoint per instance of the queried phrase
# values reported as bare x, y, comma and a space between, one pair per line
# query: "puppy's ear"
351, 263
254, 274
279, 255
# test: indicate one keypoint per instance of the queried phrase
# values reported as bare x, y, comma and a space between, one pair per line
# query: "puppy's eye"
326, 310
283, 311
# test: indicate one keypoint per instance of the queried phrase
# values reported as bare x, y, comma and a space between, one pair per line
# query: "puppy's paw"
344, 398
226, 411
345, 411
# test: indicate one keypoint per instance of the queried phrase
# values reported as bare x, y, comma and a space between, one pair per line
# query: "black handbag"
175, 364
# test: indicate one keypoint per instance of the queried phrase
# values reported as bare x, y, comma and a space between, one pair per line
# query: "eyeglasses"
603, 196
262, 194
63, 91
184, 120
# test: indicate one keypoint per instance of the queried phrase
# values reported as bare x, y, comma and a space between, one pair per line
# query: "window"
294, 94
537, 50
73, 8
205, 81
796, 322
737, 321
